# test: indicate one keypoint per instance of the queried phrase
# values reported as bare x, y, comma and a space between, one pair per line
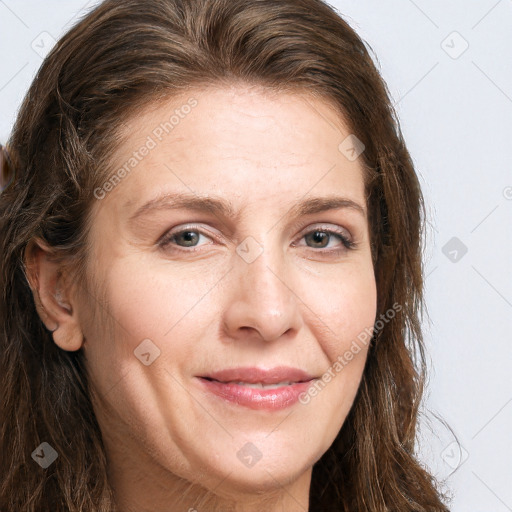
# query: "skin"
171, 445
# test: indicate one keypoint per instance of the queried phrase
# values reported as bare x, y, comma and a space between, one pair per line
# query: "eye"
188, 236
320, 238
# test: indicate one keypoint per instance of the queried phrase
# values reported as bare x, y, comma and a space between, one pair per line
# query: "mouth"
257, 385
260, 377
258, 388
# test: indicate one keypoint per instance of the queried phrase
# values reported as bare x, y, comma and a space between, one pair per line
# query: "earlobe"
49, 288
67, 338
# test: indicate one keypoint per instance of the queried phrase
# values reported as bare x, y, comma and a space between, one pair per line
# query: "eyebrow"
222, 208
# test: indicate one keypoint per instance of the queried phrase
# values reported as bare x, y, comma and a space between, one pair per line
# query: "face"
254, 267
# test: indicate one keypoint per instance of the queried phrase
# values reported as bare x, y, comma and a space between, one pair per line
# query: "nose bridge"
263, 299
264, 276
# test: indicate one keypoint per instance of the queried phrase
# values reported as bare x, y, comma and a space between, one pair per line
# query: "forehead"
249, 143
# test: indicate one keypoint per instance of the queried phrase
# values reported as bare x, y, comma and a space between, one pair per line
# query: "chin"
255, 482
263, 476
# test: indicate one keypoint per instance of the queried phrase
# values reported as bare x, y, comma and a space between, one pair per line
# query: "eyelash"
167, 238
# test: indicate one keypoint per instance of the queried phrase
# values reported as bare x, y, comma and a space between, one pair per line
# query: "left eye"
319, 236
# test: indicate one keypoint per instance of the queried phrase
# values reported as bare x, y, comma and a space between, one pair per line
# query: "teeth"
259, 385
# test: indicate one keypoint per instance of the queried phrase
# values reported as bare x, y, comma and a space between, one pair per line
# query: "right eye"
188, 236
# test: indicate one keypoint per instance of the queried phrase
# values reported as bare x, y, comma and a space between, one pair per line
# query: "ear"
53, 295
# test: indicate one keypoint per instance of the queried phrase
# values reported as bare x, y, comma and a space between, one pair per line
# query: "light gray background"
455, 106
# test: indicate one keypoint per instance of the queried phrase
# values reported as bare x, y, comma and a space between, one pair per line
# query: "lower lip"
254, 398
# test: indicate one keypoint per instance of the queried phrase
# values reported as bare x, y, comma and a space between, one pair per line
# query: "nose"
262, 304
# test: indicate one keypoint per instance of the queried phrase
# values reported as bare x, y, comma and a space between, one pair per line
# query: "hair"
122, 57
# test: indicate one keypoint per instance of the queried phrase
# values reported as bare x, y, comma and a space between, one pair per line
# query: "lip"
221, 384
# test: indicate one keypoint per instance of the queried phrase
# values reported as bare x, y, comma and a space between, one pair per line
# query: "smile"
255, 388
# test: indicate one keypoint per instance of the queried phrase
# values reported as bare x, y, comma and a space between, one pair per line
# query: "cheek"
345, 308
346, 305
343, 329
149, 309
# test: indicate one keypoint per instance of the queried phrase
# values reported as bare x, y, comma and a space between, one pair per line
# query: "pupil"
189, 236
319, 236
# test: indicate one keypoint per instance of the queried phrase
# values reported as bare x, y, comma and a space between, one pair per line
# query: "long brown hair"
123, 56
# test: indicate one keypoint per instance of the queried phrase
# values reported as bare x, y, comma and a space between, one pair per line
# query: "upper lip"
253, 375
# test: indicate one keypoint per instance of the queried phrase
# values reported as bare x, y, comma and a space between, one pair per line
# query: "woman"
211, 276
